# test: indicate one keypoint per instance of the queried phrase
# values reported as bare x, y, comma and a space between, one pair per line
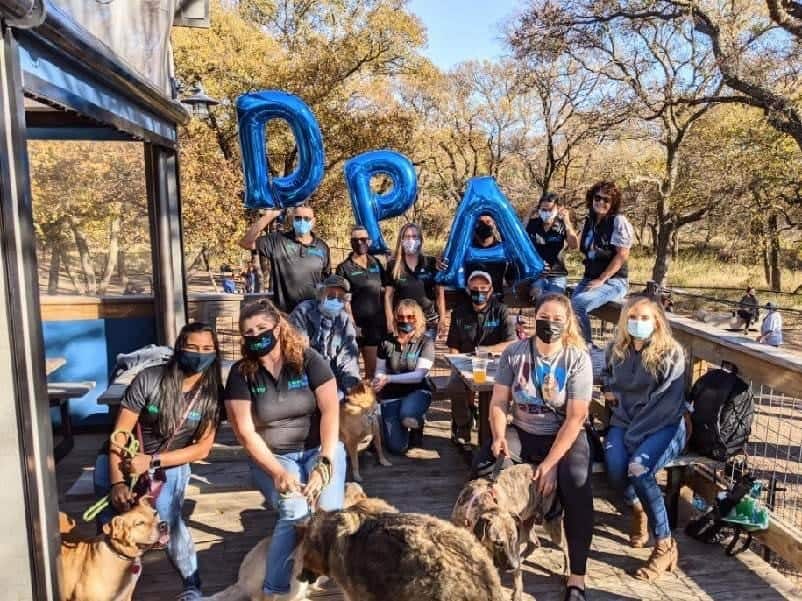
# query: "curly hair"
291, 342
608, 188
661, 343
572, 335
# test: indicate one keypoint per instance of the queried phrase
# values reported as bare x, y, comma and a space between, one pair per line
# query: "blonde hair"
661, 343
420, 320
398, 267
572, 335
291, 342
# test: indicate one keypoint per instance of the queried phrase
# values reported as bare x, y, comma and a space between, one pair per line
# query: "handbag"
150, 483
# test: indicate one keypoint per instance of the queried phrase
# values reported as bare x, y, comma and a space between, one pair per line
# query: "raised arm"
248, 241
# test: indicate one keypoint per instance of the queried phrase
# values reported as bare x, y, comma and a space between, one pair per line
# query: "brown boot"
639, 528
663, 559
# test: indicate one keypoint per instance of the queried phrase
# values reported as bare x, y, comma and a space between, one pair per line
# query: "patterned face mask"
261, 344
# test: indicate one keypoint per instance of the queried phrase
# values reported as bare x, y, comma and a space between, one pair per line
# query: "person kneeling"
403, 362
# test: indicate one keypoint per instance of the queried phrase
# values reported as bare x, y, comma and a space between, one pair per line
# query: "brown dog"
502, 514
398, 556
106, 568
359, 422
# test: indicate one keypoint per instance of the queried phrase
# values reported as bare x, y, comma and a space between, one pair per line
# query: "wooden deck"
227, 518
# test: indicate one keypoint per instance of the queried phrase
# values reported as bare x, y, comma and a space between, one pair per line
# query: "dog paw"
385, 462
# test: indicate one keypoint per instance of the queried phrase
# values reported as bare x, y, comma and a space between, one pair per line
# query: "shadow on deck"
228, 518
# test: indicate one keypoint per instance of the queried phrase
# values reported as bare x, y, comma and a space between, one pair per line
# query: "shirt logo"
152, 409
194, 416
297, 383
258, 389
492, 323
357, 272
373, 269
314, 251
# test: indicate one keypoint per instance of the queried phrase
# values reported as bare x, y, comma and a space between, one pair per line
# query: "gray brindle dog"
502, 510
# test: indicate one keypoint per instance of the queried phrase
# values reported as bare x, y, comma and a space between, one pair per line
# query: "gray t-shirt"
541, 387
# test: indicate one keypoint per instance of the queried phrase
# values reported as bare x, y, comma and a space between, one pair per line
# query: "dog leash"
129, 449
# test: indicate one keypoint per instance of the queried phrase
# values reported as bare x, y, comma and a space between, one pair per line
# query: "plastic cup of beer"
479, 367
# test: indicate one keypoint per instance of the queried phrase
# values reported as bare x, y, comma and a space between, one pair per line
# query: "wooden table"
461, 365
53, 364
114, 393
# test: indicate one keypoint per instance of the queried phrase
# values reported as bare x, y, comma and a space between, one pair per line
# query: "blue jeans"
634, 471
584, 301
396, 411
292, 508
180, 549
546, 284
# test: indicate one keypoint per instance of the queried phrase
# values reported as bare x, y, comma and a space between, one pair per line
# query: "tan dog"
359, 422
397, 556
252, 570
502, 514
107, 567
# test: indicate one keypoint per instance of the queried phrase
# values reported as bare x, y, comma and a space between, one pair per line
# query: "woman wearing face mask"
331, 331
367, 277
551, 231
605, 241
644, 381
549, 380
484, 236
403, 363
281, 400
173, 410
411, 275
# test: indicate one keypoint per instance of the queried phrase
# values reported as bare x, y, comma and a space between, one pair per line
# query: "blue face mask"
641, 329
406, 327
193, 363
478, 298
332, 306
301, 227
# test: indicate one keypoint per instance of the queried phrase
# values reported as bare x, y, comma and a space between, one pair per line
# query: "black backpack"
723, 408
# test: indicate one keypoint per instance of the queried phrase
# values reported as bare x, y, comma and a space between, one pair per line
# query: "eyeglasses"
602, 198
359, 239
302, 218
405, 318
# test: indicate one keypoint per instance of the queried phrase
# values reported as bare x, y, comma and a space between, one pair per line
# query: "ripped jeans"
634, 470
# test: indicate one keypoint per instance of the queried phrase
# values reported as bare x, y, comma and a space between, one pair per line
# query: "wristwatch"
155, 461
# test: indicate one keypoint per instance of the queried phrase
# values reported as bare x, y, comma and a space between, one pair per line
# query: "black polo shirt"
403, 358
366, 289
295, 268
549, 244
418, 285
284, 412
470, 328
498, 270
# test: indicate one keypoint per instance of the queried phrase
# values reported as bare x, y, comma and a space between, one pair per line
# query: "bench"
59, 395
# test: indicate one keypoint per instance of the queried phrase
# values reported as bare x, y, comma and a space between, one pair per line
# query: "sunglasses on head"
302, 218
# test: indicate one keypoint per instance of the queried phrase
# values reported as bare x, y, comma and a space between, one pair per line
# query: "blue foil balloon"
253, 112
483, 197
369, 207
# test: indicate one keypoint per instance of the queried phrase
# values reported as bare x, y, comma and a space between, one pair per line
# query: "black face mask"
359, 247
192, 362
261, 344
548, 331
483, 230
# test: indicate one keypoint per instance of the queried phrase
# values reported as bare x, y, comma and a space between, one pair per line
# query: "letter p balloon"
261, 191
370, 207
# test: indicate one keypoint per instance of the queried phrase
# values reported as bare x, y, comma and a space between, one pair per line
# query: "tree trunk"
662, 260
775, 281
675, 245
112, 255
85, 259
122, 270
765, 256
55, 267
653, 230
65, 261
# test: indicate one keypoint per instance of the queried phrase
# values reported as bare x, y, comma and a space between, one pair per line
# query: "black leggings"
573, 485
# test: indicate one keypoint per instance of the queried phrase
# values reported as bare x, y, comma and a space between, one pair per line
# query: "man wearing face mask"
297, 260
367, 278
331, 331
479, 321
551, 231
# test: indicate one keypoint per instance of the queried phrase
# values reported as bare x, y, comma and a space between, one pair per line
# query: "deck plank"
226, 524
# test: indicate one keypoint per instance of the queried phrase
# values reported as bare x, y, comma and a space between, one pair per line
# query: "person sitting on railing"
404, 360
331, 331
480, 320
644, 382
771, 332
173, 410
747, 309
551, 231
605, 241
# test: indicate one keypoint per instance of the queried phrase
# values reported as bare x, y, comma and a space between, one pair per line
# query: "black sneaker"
416, 438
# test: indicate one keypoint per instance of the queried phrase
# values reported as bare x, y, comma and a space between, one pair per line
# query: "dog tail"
232, 593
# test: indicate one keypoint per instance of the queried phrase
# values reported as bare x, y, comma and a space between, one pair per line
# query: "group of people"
300, 358
748, 312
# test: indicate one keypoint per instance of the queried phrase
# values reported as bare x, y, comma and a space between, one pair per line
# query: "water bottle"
699, 504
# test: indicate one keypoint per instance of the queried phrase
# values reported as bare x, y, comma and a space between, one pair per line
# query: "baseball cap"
336, 281
480, 274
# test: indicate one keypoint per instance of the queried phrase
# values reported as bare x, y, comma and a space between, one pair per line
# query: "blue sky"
461, 30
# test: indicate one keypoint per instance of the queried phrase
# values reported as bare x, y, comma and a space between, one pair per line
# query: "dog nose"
164, 528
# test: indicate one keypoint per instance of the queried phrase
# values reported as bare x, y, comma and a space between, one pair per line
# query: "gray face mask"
547, 215
410, 246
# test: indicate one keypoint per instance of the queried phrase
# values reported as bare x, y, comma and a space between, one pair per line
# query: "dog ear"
480, 528
146, 501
